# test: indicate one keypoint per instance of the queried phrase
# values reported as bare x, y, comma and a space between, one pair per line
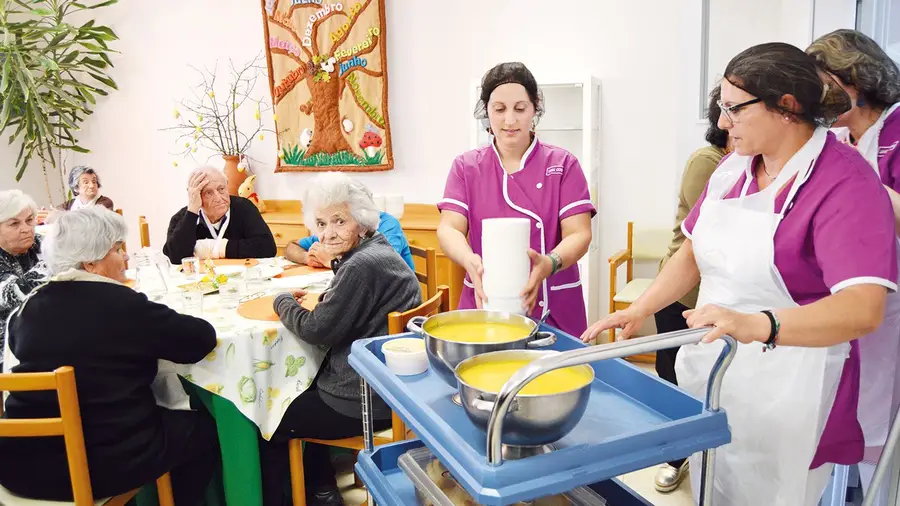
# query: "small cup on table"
230, 293
192, 303
190, 267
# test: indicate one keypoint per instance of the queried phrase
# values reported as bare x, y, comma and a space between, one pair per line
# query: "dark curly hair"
775, 69
715, 135
505, 73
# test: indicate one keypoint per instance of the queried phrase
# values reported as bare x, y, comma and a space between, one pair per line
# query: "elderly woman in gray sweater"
371, 280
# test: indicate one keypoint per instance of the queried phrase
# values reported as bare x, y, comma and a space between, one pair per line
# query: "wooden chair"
144, 228
641, 245
439, 303
68, 425
429, 278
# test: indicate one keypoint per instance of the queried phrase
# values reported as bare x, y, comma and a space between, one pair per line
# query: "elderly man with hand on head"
215, 224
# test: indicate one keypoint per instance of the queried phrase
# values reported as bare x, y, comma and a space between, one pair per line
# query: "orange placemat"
221, 262
259, 309
300, 270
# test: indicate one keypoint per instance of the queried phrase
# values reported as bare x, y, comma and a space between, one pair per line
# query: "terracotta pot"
235, 177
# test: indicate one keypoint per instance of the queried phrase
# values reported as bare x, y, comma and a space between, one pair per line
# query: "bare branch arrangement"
210, 120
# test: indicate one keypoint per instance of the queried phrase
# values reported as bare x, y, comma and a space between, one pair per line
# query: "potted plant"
211, 119
50, 74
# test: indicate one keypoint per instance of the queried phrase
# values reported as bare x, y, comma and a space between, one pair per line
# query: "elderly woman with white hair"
84, 182
371, 280
215, 224
113, 337
20, 266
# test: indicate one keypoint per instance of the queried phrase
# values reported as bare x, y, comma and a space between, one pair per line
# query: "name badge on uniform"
556, 170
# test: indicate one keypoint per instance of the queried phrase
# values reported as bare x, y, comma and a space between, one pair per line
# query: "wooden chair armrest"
619, 258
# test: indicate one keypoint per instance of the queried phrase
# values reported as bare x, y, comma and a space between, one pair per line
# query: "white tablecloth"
259, 366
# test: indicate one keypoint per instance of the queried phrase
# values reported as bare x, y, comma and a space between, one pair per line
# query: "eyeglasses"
731, 112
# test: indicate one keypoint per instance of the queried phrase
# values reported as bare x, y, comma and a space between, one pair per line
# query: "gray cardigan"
370, 281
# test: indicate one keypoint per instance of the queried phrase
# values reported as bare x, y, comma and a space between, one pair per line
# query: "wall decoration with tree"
328, 77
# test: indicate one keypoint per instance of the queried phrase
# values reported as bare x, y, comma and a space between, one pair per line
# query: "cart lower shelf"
389, 485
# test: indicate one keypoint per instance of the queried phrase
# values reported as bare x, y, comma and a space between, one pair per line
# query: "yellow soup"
491, 376
479, 332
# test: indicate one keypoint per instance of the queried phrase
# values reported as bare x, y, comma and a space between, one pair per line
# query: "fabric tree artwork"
328, 77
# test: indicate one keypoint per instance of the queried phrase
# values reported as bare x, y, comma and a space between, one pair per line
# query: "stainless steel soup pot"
444, 356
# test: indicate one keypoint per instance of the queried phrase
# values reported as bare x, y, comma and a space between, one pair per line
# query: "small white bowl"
405, 356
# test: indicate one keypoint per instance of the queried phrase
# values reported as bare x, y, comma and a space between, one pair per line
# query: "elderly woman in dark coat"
20, 266
84, 182
130, 439
371, 280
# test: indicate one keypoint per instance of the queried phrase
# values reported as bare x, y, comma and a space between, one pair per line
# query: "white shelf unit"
572, 122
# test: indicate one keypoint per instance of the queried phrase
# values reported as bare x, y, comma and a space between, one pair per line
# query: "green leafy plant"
51, 72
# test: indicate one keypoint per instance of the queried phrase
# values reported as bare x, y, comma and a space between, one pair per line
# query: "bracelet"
556, 261
773, 334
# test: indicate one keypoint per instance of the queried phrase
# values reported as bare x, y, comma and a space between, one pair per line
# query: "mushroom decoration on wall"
371, 141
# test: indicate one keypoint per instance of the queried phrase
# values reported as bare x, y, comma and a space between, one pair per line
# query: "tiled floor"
639, 481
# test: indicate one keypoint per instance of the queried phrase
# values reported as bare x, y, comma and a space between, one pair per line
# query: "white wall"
830, 15
645, 52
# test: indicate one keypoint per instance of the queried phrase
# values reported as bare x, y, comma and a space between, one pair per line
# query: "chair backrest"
649, 243
144, 228
429, 277
68, 425
439, 303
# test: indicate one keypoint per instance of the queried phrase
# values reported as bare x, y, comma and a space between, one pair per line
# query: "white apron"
880, 350
778, 401
217, 235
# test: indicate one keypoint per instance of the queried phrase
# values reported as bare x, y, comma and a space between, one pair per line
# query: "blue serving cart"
633, 420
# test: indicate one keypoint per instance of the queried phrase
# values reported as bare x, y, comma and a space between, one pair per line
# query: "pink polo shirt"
888, 154
837, 232
548, 188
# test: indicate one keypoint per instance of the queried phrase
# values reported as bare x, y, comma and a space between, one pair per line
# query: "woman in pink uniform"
794, 247
518, 176
872, 80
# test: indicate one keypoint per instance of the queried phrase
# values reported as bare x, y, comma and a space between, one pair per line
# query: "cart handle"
619, 349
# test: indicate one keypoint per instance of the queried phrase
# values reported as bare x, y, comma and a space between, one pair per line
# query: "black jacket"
113, 337
248, 235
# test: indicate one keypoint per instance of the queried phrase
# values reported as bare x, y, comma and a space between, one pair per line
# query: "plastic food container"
435, 486
405, 356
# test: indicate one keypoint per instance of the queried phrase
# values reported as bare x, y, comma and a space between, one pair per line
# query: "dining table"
256, 370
